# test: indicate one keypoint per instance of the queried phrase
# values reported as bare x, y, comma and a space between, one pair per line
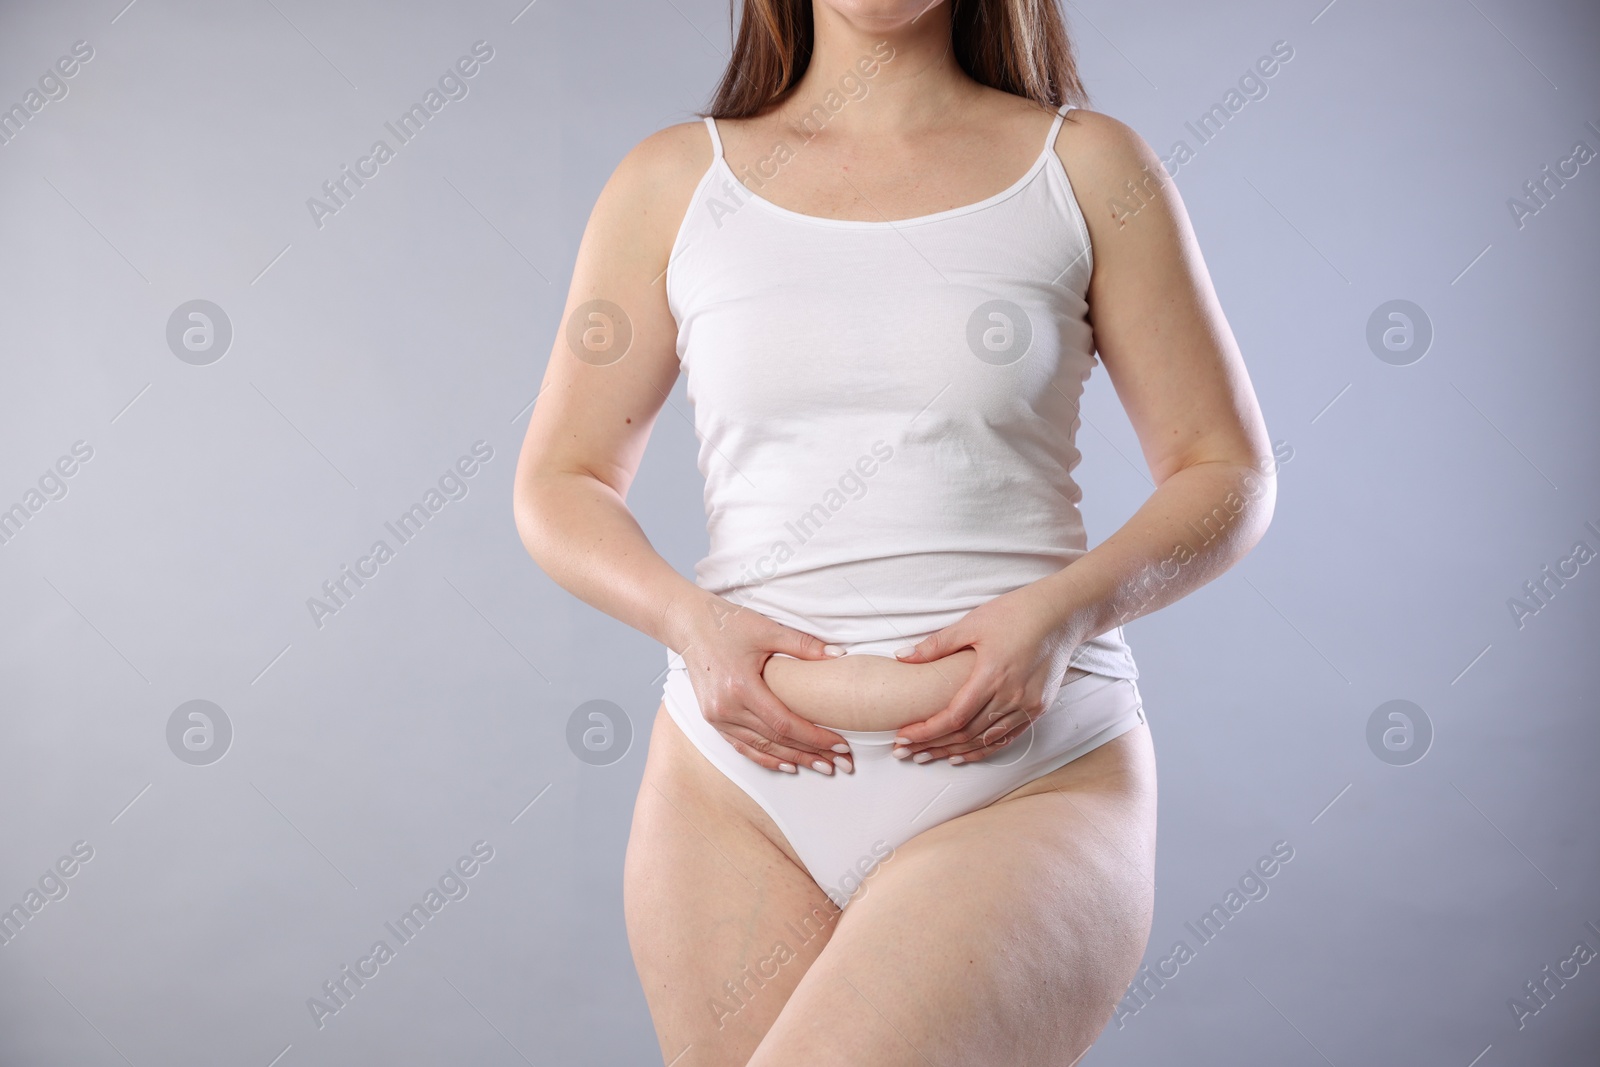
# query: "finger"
752, 738
935, 646
770, 761
974, 696
1002, 735
748, 703
967, 737
802, 645
790, 758
776, 722
992, 723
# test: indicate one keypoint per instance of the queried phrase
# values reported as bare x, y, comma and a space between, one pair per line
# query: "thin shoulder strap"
1055, 127
716, 142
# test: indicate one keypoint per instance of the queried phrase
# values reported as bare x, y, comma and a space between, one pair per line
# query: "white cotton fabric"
842, 826
882, 450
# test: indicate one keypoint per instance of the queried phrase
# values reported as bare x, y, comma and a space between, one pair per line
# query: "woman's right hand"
725, 648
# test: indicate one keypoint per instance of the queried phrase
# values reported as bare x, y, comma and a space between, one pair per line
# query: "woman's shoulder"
1094, 137
673, 153
648, 192
663, 168
1102, 151
1099, 128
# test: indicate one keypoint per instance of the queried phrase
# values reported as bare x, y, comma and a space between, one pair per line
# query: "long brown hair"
1019, 46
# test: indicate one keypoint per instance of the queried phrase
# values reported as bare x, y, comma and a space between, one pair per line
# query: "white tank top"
886, 410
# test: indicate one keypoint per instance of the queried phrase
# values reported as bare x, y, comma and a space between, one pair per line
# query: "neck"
915, 81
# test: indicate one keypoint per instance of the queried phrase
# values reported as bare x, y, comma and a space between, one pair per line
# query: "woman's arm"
1177, 369
1173, 361
610, 371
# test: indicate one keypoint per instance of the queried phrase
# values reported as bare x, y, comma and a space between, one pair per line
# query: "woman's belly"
867, 692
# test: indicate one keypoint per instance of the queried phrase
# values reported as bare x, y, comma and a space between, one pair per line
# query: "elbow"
544, 504
526, 512
1258, 484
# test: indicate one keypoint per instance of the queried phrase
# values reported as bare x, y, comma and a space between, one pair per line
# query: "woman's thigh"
722, 919
1005, 936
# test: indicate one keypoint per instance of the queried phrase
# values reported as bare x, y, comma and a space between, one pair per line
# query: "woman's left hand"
1022, 652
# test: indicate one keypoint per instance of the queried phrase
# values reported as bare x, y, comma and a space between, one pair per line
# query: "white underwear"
843, 826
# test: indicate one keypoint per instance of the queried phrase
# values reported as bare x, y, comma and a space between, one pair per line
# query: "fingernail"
902, 740
842, 748
957, 759
833, 650
822, 767
787, 768
922, 757
843, 764
904, 652
900, 753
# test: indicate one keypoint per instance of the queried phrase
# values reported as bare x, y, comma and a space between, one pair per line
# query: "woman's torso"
885, 372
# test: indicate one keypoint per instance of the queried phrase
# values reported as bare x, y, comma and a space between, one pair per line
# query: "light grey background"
431, 712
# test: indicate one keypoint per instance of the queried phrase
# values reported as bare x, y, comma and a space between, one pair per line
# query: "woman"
947, 856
